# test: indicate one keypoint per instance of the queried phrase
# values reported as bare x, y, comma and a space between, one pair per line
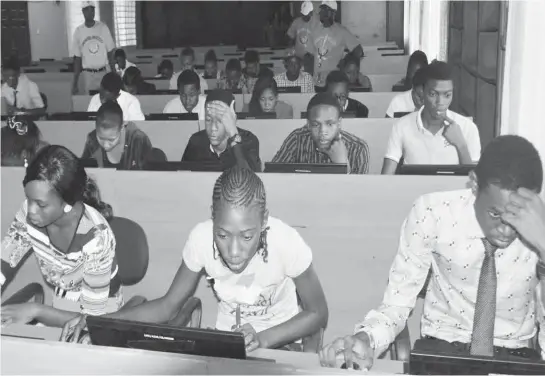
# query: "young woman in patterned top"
64, 222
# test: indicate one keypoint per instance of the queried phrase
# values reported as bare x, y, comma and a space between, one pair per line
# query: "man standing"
93, 48
300, 29
329, 40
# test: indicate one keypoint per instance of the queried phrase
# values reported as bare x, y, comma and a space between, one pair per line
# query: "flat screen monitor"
165, 338
289, 89
184, 166
172, 116
400, 114
73, 116
344, 115
448, 170
428, 363
248, 116
306, 168
359, 89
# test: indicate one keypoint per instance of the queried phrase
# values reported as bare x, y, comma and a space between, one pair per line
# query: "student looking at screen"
259, 265
265, 100
483, 247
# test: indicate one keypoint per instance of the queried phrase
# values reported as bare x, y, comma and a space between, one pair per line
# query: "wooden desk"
44, 355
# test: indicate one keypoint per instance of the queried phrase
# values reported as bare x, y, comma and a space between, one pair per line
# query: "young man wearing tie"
484, 249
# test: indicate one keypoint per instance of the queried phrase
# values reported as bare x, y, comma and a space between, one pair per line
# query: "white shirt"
173, 85
402, 102
175, 106
120, 71
410, 140
92, 44
442, 232
28, 94
265, 290
128, 103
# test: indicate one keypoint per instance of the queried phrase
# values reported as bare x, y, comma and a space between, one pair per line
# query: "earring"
25, 164
67, 208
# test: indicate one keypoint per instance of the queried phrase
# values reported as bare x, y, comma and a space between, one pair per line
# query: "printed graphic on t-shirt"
302, 35
324, 44
92, 44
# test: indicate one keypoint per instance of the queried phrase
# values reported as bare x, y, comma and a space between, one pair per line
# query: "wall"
47, 27
366, 19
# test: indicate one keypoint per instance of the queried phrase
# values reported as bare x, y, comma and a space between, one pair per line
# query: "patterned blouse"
83, 274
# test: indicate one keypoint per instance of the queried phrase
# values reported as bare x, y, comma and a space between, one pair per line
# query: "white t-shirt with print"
265, 290
92, 44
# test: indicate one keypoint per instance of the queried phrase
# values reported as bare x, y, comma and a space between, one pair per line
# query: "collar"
471, 225
420, 123
215, 152
345, 105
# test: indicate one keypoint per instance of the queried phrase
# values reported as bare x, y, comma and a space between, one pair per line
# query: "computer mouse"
355, 366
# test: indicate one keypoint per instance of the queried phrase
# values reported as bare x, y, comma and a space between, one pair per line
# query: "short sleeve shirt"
265, 291
329, 44
92, 44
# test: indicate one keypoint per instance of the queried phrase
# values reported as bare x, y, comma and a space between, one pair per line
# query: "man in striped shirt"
293, 76
322, 140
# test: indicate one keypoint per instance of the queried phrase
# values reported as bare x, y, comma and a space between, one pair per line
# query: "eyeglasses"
20, 127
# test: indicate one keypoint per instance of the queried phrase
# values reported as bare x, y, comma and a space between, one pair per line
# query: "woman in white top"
258, 264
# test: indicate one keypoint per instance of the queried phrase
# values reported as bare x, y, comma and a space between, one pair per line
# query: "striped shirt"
83, 273
305, 81
299, 147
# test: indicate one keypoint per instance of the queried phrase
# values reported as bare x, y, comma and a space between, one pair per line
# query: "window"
125, 22
74, 18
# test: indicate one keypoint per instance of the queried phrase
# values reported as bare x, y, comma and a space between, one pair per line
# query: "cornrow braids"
241, 188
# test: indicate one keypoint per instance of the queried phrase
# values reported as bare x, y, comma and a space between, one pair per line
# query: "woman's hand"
19, 313
251, 338
72, 329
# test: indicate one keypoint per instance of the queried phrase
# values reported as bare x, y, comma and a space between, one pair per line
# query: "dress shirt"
128, 103
442, 232
28, 94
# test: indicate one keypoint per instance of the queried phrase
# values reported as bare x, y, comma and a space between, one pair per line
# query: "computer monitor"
428, 363
448, 170
73, 116
344, 115
89, 162
359, 89
307, 168
400, 114
165, 92
248, 116
289, 89
165, 338
185, 116
183, 166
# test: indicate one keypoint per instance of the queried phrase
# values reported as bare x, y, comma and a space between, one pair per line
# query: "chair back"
157, 155
132, 250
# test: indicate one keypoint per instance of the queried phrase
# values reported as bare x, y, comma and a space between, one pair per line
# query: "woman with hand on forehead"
259, 265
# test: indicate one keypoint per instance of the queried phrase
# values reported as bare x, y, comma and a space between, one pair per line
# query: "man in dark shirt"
337, 85
222, 142
322, 140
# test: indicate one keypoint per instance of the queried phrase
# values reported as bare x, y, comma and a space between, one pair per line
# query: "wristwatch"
236, 139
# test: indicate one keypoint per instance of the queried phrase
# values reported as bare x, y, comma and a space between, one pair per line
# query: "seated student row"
420, 137
508, 163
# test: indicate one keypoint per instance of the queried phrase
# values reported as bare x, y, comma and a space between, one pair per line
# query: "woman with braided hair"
258, 264
21, 140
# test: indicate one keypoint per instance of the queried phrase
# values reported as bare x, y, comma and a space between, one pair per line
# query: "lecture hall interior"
167, 165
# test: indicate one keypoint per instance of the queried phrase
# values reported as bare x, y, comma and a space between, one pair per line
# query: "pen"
238, 317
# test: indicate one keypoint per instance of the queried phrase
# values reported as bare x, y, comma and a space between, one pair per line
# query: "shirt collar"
345, 105
420, 123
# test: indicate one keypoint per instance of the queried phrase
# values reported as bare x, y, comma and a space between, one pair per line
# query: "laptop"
73, 116
359, 89
165, 338
185, 116
183, 166
428, 363
400, 114
247, 115
306, 168
344, 115
449, 170
289, 89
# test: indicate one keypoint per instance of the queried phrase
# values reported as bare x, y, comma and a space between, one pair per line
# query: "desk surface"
39, 353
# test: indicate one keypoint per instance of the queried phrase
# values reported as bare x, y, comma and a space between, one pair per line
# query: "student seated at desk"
417, 60
322, 140
259, 266
233, 77
337, 86
351, 67
114, 143
265, 100
121, 62
65, 224
187, 58
190, 99
253, 70
222, 141
410, 100
110, 89
134, 83
211, 70
21, 95
294, 76
434, 135
21, 140
484, 247
165, 69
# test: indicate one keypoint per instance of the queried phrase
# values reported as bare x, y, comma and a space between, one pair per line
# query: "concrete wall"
47, 28
366, 19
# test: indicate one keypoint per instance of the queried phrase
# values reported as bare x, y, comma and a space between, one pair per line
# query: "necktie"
15, 98
482, 339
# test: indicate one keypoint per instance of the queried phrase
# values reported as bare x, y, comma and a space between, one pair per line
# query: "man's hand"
72, 329
337, 152
19, 313
453, 133
251, 338
226, 115
526, 213
348, 350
